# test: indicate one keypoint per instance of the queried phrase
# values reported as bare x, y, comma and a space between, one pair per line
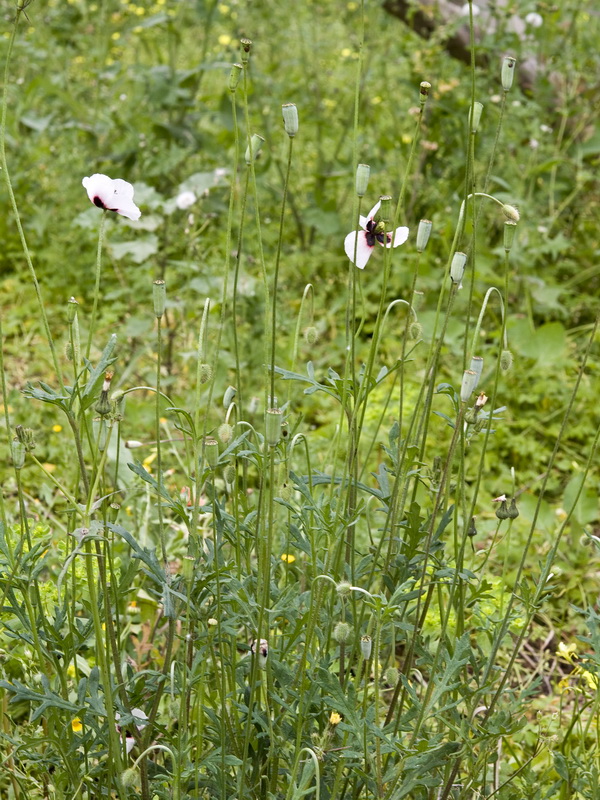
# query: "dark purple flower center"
100, 203
372, 237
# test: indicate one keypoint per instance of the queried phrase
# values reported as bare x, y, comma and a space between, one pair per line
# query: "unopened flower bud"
343, 589
290, 119
470, 416
415, 331
159, 293
469, 382
392, 675
457, 267
254, 148
366, 645
17, 450
245, 47
362, 179
133, 444
230, 474
472, 530
117, 400
342, 632
385, 209
424, 88
25, 436
506, 360
477, 367
225, 433
286, 492
508, 72
513, 511
68, 351
234, 76
511, 213
475, 117
423, 234
261, 652
510, 228
273, 426
211, 451
205, 373
502, 511
311, 335
72, 306
130, 777
481, 400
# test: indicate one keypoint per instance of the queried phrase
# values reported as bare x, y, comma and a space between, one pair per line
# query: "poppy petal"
357, 241
398, 238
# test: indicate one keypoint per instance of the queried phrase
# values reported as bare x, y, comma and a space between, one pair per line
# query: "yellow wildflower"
568, 652
57, 428
224, 39
334, 718
288, 558
76, 725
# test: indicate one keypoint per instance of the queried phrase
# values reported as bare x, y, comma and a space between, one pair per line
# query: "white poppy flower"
534, 19
112, 195
363, 242
185, 200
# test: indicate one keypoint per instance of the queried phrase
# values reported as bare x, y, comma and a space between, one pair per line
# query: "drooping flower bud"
290, 119
230, 474
254, 148
205, 373
234, 76
508, 72
159, 293
423, 234
415, 331
457, 267
475, 117
311, 335
343, 589
511, 213
225, 433
363, 172
506, 360
392, 675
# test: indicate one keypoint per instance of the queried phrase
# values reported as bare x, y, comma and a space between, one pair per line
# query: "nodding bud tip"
234, 76
423, 234
415, 331
254, 148
475, 116
290, 119
457, 267
363, 172
511, 213
508, 72
424, 88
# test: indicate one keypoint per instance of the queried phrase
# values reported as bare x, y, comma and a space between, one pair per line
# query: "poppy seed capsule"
508, 72
468, 385
290, 119
457, 267
366, 645
475, 117
254, 148
159, 295
385, 209
211, 452
423, 234
234, 76
245, 47
17, 451
273, 426
510, 228
477, 367
363, 171
72, 310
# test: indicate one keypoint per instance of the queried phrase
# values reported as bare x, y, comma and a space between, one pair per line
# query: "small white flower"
464, 11
363, 242
545, 128
534, 144
185, 200
534, 19
112, 195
